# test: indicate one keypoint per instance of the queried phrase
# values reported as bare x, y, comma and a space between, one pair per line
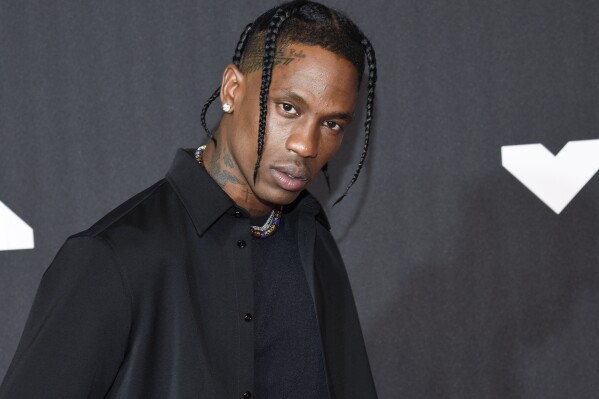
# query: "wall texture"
467, 283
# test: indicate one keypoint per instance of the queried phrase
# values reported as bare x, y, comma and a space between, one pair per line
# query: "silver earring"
227, 108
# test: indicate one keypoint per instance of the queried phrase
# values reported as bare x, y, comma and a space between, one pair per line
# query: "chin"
278, 196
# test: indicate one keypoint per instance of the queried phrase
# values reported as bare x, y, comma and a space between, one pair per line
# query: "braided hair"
310, 23
215, 94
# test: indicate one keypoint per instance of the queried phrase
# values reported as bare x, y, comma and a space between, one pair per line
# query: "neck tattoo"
274, 219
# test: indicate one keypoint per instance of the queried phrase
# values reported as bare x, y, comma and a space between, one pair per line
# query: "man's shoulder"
134, 212
141, 235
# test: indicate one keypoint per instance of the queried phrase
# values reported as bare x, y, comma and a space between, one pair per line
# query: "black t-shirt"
288, 353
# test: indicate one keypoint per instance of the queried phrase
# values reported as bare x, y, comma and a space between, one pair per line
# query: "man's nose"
304, 142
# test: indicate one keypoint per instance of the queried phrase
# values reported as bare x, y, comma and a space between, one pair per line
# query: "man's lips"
290, 177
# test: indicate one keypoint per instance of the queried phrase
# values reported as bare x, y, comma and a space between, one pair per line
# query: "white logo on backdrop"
14, 232
555, 179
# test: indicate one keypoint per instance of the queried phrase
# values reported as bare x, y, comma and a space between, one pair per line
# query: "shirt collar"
201, 196
206, 202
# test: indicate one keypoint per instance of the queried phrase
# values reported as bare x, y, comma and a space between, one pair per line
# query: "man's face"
311, 101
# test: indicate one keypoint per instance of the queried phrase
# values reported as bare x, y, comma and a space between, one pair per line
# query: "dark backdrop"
467, 284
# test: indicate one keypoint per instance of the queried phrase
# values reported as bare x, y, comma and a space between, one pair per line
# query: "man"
221, 280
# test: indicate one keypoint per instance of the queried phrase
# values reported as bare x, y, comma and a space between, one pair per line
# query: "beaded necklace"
273, 221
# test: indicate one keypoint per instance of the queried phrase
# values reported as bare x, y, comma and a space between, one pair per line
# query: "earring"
227, 108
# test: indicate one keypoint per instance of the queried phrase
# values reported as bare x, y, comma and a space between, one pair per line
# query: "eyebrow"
293, 95
336, 115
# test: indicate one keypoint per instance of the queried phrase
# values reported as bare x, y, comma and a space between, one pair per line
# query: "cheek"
277, 130
245, 136
276, 127
248, 122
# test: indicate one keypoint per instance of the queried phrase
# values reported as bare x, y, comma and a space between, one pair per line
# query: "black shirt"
150, 302
287, 347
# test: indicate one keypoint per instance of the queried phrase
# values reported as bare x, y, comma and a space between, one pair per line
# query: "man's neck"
220, 165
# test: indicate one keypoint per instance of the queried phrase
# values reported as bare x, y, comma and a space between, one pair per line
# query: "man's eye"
333, 125
290, 109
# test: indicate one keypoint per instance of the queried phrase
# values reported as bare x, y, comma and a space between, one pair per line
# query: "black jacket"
150, 302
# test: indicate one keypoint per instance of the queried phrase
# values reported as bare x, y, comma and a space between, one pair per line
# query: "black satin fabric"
151, 302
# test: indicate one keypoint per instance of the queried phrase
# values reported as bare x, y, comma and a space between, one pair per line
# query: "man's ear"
232, 86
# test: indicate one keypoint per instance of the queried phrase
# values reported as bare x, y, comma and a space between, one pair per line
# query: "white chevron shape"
14, 232
555, 179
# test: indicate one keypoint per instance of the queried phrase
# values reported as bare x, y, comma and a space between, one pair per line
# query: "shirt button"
247, 317
237, 214
247, 395
241, 244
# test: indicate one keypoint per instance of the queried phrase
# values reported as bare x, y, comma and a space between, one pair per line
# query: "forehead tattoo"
285, 55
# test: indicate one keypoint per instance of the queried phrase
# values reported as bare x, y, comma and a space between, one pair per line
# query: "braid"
236, 61
205, 109
370, 57
241, 45
270, 42
325, 172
